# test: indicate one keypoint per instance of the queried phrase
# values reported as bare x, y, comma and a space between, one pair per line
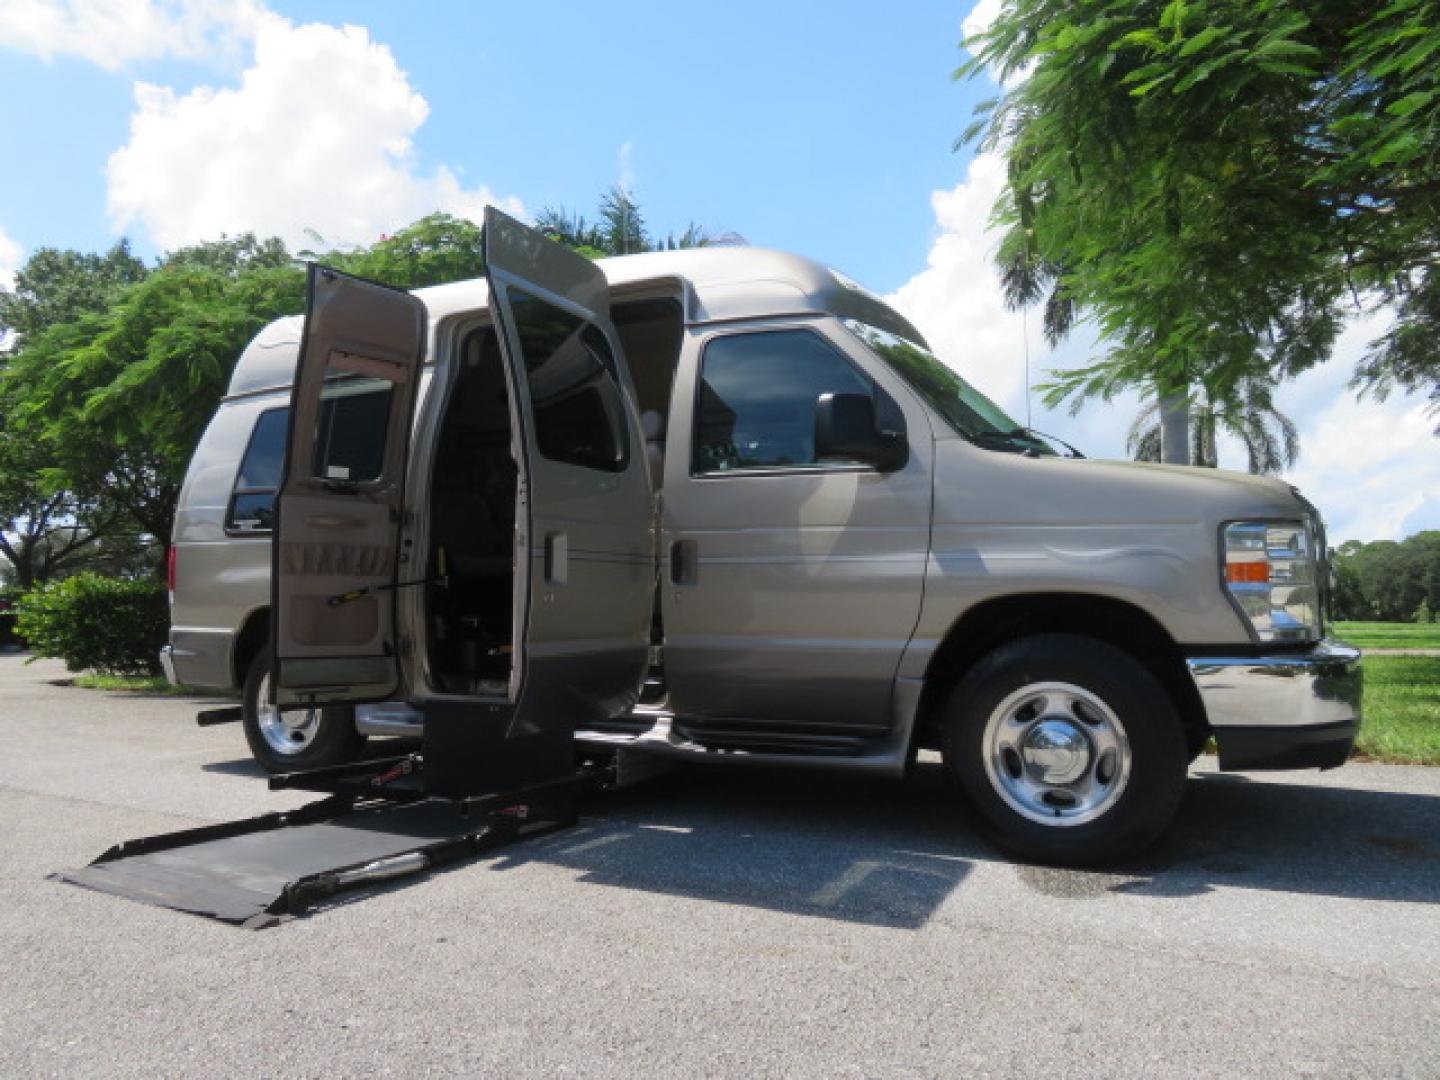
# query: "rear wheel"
294, 739
1070, 749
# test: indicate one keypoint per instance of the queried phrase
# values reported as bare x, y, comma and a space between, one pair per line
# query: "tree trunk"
1175, 428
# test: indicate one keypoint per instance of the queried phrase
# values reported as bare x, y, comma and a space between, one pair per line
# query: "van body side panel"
220, 578
1006, 524
790, 595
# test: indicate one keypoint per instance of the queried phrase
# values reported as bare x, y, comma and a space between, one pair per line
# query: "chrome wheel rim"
289, 732
1057, 754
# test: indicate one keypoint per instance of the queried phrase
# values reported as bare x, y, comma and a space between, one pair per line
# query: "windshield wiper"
1031, 431
1013, 441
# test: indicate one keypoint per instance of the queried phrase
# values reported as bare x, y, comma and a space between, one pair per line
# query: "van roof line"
722, 284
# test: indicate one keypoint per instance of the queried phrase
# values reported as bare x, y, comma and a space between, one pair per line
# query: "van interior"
471, 595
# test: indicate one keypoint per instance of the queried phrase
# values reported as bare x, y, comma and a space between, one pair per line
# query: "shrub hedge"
114, 626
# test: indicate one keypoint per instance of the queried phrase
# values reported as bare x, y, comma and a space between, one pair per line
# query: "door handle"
683, 562
557, 558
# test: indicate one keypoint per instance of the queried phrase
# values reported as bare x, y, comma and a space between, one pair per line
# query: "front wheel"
294, 739
1070, 749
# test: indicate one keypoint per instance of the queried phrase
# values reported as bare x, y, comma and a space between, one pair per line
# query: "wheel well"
991, 624
254, 635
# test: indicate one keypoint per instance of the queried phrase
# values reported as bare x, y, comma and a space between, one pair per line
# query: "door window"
576, 402
757, 395
350, 434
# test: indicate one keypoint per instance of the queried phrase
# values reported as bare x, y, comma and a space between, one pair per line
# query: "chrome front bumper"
1284, 710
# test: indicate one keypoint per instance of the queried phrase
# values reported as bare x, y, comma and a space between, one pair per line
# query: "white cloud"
316, 136
625, 165
113, 33
11, 256
1372, 467
956, 301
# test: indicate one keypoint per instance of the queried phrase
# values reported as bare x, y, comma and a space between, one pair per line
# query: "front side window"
252, 505
757, 397
574, 397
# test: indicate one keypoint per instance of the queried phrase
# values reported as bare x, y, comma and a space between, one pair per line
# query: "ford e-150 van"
725, 505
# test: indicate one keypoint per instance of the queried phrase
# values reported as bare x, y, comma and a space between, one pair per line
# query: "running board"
264, 870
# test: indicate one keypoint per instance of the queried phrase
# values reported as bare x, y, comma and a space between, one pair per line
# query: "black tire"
1128, 813
332, 741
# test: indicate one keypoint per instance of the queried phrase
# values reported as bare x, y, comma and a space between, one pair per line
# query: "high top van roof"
717, 283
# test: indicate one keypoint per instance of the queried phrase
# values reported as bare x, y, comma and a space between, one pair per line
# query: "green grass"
1389, 635
144, 684
1402, 710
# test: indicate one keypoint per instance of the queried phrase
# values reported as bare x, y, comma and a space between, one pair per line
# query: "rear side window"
252, 505
758, 392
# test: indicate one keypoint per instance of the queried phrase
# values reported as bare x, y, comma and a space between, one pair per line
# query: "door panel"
589, 582
791, 587
338, 506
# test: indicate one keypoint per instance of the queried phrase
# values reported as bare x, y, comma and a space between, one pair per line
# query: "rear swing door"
338, 509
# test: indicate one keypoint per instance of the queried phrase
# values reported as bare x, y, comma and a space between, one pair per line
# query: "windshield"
964, 408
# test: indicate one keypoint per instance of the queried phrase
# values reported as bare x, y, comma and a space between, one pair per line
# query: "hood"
1017, 489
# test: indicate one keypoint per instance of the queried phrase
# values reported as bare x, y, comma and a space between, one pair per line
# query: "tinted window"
350, 436
756, 408
573, 393
266, 452
252, 507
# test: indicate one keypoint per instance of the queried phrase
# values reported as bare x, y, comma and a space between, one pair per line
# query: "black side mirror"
845, 430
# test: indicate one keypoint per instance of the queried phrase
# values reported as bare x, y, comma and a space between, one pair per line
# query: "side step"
264, 870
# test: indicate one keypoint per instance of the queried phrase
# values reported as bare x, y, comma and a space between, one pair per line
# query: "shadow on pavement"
889, 854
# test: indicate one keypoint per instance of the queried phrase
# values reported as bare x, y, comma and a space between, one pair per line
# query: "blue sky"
809, 127
821, 128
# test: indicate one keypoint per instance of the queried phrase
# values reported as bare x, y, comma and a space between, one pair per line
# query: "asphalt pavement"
720, 923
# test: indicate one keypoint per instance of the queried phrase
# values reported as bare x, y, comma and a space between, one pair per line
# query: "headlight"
1270, 573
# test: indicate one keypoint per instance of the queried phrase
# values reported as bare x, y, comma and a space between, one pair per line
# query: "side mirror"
845, 430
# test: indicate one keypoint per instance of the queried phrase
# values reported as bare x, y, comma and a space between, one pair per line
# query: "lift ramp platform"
377, 824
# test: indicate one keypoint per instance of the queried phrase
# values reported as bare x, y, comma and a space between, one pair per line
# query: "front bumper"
1283, 710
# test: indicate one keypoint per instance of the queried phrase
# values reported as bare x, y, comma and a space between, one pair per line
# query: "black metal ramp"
256, 872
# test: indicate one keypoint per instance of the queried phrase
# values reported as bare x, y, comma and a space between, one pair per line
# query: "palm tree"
1272, 442
621, 229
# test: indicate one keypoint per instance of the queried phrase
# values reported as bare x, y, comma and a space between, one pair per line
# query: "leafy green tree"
119, 399
1218, 184
1389, 580
436, 249
57, 286
45, 531
48, 529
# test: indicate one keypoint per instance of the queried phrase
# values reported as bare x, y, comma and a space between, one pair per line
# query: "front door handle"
683, 562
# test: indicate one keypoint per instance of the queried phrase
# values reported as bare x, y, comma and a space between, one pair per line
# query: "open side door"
584, 556
338, 510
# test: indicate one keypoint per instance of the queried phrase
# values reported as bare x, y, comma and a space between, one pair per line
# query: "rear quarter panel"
220, 579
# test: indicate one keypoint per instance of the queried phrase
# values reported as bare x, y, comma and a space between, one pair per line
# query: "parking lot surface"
721, 923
